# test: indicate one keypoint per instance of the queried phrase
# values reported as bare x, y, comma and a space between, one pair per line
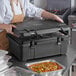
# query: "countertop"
65, 60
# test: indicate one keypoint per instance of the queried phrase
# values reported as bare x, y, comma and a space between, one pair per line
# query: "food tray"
57, 72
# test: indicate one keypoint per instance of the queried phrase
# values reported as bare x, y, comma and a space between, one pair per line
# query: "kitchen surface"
65, 60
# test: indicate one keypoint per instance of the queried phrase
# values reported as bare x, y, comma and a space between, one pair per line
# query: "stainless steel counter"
65, 60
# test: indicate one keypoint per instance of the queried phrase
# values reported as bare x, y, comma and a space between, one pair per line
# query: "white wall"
41, 3
73, 3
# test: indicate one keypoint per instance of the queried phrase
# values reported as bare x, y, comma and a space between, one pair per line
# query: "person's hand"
48, 15
9, 28
59, 19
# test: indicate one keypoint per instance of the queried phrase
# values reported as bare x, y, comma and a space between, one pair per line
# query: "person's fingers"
12, 33
61, 21
13, 26
9, 29
15, 35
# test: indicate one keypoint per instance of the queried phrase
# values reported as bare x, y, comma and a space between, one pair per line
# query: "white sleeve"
33, 11
2, 11
1, 20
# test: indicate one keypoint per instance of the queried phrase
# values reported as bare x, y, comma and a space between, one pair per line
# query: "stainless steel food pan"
51, 73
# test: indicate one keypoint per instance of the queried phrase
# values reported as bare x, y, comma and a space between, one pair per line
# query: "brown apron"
4, 42
17, 18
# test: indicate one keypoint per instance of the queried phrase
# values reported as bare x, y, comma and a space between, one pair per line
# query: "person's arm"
48, 15
7, 27
33, 11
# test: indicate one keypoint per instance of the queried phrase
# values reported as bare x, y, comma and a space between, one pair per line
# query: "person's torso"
9, 14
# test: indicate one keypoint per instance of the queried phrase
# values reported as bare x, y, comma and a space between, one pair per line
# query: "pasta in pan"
45, 67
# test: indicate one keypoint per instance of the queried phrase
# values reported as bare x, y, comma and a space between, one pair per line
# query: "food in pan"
45, 67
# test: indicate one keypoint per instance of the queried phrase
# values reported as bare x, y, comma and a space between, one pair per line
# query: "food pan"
46, 73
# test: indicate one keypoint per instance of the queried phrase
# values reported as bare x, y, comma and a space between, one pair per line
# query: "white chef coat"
6, 13
17, 8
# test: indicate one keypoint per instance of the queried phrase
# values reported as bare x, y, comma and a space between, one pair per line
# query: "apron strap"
19, 17
21, 6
